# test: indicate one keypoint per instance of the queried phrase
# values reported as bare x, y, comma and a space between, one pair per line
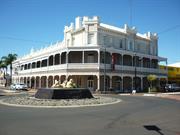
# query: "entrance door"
90, 84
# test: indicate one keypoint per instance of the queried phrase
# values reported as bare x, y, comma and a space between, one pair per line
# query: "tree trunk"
5, 76
10, 73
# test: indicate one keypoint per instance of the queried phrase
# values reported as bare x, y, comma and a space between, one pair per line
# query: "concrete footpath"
168, 95
172, 95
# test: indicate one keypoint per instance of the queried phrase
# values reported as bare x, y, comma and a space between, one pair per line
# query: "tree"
8, 61
151, 78
3, 66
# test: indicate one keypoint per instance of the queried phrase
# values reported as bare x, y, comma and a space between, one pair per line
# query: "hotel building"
90, 52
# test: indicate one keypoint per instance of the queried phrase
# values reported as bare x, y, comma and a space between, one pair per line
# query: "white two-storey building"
90, 52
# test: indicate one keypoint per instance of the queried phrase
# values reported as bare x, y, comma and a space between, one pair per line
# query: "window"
131, 45
105, 40
68, 42
38, 64
90, 58
25, 66
29, 65
22, 67
128, 47
111, 40
44, 63
120, 44
73, 41
33, 65
90, 38
138, 47
151, 49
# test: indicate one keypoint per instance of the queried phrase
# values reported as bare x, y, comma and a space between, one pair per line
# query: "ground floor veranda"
122, 83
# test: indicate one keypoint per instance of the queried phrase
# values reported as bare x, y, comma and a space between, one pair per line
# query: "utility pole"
104, 69
130, 14
135, 72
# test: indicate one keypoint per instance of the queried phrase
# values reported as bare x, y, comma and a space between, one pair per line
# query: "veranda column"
122, 83
24, 80
98, 82
19, 80
60, 79
48, 62
53, 79
159, 79
122, 59
83, 57
110, 79
60, 58
141, 83
132, 84
166, 71
67, 76
47, 82
34, 82
99, 56
67, 53
47, 71
40, 82
30, 82
53, 60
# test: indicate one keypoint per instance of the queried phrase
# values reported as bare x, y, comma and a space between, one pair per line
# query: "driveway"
135, 115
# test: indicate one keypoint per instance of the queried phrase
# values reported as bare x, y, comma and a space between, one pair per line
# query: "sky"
27, 24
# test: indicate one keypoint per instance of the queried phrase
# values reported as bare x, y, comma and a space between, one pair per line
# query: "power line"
25, 40
169, 29
130, 15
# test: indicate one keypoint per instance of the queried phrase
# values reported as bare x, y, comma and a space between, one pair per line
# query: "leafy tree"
151, 78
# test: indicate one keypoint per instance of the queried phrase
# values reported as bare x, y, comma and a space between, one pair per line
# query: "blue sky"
35, 23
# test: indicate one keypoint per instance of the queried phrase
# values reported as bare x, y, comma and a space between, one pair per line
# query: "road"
135, 115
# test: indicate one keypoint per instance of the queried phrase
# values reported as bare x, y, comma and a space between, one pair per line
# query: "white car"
20, 86
172, 87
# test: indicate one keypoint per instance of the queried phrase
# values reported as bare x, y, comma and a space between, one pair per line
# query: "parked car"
172, 87
20, 86
12, 86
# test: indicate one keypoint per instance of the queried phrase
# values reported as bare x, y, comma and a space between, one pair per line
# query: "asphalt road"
135, 115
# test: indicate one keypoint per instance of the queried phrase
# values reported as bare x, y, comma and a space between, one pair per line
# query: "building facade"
173, 74
97, 56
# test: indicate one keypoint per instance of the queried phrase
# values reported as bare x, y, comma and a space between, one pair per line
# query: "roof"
112, 27
122, 30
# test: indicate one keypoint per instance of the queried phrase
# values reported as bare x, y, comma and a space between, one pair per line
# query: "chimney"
78, 23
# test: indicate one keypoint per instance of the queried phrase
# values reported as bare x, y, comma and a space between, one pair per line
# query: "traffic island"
27, 100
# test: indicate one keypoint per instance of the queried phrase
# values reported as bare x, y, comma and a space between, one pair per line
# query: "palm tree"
3, 65
151, 78
8, 60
